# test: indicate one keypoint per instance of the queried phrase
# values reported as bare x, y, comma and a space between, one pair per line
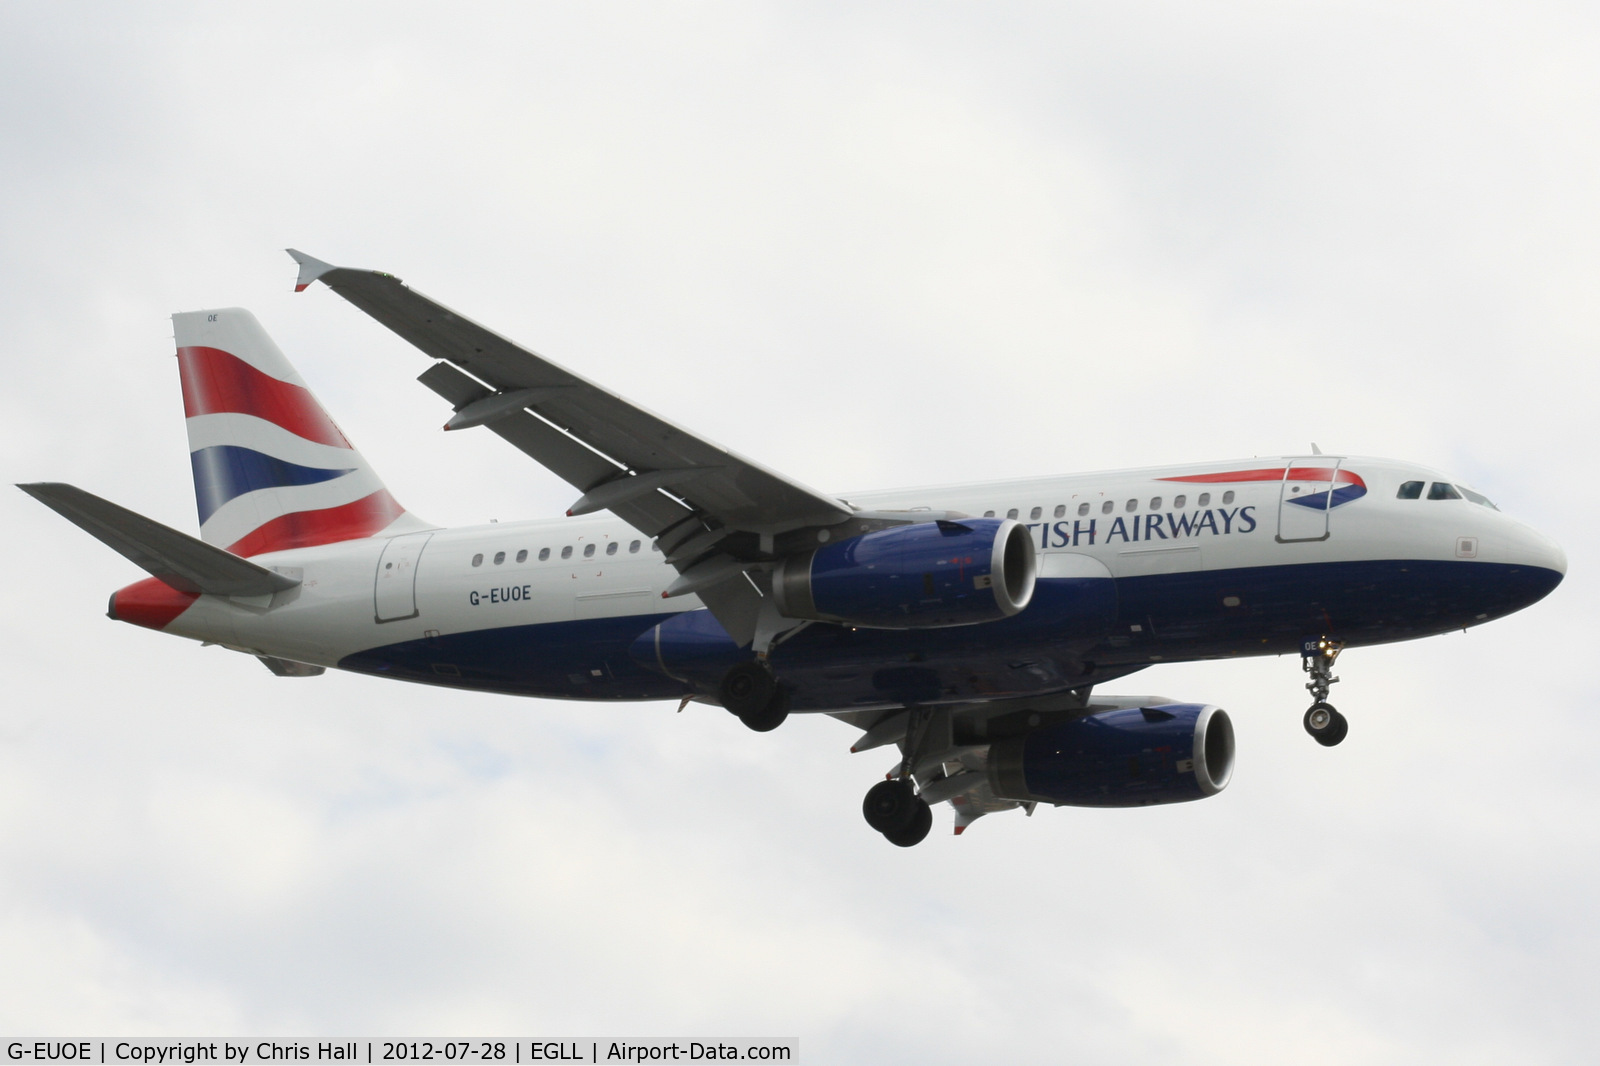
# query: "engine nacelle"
923, 576
1124, 758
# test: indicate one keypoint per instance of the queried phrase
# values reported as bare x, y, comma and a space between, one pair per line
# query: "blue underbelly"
1076, 632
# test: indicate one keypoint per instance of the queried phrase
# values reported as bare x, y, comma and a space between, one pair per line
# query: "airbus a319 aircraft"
969, 625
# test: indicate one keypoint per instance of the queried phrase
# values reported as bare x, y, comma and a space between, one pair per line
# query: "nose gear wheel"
1326, 725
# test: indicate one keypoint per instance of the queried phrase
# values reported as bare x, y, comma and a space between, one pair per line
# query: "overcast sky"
871, 246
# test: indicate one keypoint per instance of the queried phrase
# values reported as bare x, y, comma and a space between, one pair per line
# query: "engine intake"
923, 576
1132, 757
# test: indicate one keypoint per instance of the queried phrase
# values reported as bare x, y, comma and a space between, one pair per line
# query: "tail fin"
271, 470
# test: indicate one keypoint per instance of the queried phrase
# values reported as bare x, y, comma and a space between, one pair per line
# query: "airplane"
967, 625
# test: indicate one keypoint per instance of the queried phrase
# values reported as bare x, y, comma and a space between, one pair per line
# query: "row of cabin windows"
1204, 500
1442, 490
566, 553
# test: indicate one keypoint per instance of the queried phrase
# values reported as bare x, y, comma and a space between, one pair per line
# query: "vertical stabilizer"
271, 470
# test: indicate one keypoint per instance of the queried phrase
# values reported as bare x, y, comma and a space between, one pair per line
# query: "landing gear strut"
752, 694
893, 807
1326, 725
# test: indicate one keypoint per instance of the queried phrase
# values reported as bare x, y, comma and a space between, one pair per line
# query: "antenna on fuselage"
1314, 449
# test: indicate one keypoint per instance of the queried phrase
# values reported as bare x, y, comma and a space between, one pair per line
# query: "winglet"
310, 269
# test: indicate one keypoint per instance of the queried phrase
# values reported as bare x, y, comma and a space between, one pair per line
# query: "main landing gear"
754, 696
1326, 725
893, 807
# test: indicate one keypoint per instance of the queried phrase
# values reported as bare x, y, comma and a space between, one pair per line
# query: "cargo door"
394, 590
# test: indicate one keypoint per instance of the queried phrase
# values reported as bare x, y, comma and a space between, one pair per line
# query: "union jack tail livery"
271, 470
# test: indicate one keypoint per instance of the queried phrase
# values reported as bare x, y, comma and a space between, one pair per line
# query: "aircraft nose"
1557, 558
1531, 565
1538, 565
1539, 550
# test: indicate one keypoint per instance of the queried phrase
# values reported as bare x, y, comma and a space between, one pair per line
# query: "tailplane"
271, 470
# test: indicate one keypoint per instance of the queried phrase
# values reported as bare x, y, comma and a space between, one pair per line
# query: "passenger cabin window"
1411, 490
1061, 510
1155, 503
1477, 497
1133, 505
1083, 509
988, 514
1227, 497
499, 557
1011, 513
1441, 490
1107, 507
544, 553
477, 560
588, 551
522, 556
1204, 500
611, 549
1034, 515
633, 548
566, 553
1179, 501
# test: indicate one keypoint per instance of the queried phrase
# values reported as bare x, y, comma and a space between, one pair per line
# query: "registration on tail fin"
271, 470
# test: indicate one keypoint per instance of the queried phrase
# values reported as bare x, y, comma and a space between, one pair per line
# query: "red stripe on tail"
217, 382
365, 517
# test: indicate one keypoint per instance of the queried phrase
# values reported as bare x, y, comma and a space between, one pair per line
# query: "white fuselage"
1113, 525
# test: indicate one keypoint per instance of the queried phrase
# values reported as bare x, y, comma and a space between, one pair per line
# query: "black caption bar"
148, 1052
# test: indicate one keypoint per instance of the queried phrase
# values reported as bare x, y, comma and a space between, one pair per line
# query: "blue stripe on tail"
225, 471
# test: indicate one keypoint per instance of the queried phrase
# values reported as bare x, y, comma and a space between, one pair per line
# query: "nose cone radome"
1556, 558
1536, 565
1532, 548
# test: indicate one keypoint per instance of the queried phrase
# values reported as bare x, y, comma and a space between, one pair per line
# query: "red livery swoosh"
215, 382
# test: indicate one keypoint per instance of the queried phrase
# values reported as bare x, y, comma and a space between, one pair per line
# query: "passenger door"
394, 589
1304, 500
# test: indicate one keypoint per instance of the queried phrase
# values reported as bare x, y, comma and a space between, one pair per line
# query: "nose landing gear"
1326, 725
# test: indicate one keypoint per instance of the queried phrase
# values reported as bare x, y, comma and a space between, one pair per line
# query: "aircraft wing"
714, 513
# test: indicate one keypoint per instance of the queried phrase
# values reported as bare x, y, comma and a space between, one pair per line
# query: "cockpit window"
1411, 490
1477, 497
1440, 490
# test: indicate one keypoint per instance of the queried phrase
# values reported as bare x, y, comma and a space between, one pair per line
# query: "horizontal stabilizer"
186, 563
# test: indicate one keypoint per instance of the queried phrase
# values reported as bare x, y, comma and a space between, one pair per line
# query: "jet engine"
1131, 757
924, 576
